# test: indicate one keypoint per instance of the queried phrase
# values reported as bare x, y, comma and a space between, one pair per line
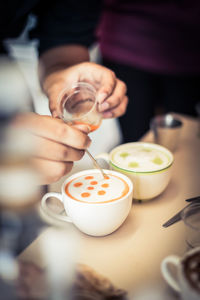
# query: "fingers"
117, 111
111, 92
56, 130
52, 85
51, 150
51, 171
54, 95
57, 145
116, 104
108, 83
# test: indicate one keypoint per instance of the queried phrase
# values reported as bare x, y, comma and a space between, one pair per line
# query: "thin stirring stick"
95, 163
93, 159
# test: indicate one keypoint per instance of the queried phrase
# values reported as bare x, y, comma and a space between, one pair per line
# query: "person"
153, 46
65, 30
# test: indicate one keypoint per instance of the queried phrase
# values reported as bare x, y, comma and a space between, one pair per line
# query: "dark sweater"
59, 22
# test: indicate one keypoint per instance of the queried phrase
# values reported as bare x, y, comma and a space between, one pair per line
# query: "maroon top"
160, 36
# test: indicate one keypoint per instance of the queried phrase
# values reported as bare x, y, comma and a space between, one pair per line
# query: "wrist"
60, 58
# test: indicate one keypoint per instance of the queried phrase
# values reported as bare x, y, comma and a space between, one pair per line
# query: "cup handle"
47, 211
104, 156
167, 274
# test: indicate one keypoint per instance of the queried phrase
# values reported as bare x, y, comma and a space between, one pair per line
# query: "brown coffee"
191, 267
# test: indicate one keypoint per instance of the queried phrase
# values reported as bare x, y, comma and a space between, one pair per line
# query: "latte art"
93, 189
140, 158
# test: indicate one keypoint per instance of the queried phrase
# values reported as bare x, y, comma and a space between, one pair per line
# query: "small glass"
78, 105
191, 218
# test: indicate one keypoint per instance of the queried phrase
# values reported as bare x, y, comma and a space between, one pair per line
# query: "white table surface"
131, 256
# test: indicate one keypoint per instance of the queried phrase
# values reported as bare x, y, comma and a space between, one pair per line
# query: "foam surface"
140, 158
93, 188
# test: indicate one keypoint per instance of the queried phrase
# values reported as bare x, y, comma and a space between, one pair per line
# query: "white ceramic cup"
177, 280
147, 184
96, 219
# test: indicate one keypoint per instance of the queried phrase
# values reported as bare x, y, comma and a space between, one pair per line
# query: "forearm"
60, 58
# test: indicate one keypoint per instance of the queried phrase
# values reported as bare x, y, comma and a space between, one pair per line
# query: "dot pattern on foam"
95, 189
140, 158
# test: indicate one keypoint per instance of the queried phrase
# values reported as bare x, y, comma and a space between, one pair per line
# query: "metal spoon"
95, 163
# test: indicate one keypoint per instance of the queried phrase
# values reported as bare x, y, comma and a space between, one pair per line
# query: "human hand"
57, 145
111, 91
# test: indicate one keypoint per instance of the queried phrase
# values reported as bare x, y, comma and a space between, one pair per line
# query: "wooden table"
131, 256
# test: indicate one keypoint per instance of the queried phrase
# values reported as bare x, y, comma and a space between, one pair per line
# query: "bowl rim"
143, 172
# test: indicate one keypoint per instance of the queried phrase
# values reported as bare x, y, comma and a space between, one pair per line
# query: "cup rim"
190, 252
68, 88
153, 145
157, 121
86, 172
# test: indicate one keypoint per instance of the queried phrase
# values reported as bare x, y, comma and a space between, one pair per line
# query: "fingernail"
104, 106
101, 97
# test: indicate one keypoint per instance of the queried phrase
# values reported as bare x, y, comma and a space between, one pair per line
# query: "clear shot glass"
78, 105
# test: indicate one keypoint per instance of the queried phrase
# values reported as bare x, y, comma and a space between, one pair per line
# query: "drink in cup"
147, 165
96, 205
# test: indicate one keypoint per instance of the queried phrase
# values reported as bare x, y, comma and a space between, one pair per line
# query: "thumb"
54, 95
53, 86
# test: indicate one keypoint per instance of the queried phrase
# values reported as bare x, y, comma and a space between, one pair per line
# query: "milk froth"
140, 158
93, 189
